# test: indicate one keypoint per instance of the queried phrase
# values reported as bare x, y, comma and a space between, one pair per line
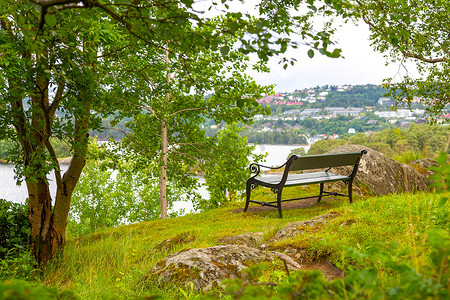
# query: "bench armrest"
256, 168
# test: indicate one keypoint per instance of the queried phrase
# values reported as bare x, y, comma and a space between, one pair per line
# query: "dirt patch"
329, 270
169, 244
255, 208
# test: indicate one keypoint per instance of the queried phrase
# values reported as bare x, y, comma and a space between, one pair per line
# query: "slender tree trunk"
163, 176
164, 146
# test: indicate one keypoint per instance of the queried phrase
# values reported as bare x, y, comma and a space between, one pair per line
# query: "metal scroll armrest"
256, 168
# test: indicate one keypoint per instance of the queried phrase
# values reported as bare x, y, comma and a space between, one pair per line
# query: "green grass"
113, 262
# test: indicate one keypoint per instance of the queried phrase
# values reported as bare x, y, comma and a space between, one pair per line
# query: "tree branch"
58, 97
79, 153
424, 59
49, 3
57, 169
404, 52
188, 109
146, 108
18, 115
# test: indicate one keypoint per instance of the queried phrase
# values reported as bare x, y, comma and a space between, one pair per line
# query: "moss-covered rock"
206, 268
422, 165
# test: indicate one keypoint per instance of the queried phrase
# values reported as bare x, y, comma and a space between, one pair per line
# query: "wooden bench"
299, 163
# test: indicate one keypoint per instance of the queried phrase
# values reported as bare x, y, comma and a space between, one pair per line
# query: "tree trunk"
48, 226
164, 146
45, 239
163, 176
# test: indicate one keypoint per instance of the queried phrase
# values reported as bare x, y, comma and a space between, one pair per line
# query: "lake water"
277, 155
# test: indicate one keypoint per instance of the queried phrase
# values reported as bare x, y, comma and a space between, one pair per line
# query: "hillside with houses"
332, 112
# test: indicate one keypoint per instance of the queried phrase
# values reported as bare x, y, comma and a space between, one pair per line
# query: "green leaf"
310, 53
335, 54
224, 50
394, 41
240, 103
50, 20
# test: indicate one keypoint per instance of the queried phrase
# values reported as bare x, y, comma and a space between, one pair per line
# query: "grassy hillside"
373, 233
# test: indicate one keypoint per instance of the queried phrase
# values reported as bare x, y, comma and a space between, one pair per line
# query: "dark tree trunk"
45, 239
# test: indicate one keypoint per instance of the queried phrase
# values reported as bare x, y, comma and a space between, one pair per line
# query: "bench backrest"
325, 161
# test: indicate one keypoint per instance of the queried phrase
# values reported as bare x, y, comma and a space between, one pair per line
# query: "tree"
226, 172
49, 86
58, 77
411, 30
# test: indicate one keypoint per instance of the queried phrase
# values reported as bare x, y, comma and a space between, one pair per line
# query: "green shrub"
19, 264
226, 172
18, 289
14, 227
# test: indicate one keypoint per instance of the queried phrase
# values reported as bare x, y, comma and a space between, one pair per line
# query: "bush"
18, 289
19, 264
14, 227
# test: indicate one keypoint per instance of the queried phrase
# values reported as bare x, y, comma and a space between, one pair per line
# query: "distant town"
332, 112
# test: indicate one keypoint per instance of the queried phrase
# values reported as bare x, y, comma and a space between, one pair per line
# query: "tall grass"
407, 157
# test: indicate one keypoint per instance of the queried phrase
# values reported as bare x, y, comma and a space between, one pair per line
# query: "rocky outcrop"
208, 267
423, 165
379, 174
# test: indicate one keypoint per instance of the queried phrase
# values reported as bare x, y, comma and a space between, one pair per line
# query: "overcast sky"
361, 64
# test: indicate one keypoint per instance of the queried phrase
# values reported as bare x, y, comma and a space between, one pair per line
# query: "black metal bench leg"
248, 192
280, 214
350, 183
321, 192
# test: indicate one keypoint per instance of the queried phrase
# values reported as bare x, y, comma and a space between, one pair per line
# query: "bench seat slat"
303, 179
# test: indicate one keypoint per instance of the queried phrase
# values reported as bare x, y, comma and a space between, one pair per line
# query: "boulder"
379, 174
206, 268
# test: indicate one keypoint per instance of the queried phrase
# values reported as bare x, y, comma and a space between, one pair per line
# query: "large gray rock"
379, 174
208, 267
